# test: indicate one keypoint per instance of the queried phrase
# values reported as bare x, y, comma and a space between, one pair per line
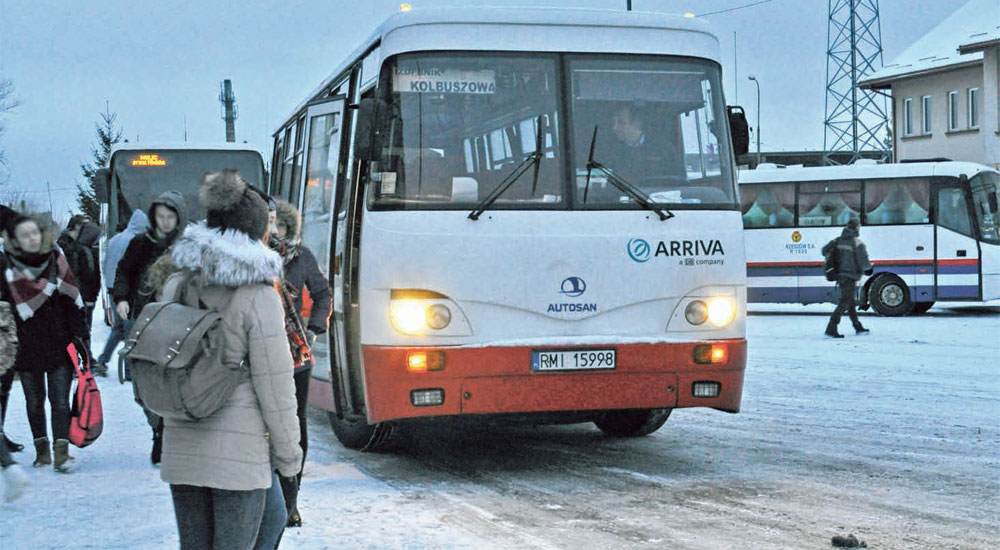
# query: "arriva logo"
638, 250
573, 287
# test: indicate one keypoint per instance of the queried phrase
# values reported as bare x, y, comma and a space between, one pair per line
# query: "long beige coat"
257, 432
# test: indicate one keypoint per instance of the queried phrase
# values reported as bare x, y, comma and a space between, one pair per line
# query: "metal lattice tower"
855, 119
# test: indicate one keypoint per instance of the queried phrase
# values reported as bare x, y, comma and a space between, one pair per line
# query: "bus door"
317, 204
956, 251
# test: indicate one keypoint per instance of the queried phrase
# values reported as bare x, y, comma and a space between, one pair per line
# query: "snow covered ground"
893, 436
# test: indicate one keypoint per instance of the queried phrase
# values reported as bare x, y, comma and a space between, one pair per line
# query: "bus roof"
849, 172
525, 29
188, 146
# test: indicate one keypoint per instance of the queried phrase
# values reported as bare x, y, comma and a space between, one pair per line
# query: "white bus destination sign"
447, 81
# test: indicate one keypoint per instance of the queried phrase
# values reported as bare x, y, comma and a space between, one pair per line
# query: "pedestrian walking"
852, 262
49, 314
311, 295
113, 252
221, 468
79, 243
132, 290
8, 347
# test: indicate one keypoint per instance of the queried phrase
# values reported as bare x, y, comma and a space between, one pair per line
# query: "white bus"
492, 251
930, 229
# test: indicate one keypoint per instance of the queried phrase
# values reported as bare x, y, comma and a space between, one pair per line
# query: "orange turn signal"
423, 361
712, 354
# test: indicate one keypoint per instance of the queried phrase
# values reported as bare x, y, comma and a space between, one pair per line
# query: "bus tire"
632, 423
356, 433
890, 296
920, 308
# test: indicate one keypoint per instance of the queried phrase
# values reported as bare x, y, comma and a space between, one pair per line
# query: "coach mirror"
739, 129
102, 180
367, 141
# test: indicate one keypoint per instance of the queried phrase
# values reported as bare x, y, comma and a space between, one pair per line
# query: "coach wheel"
890, 296
356, 433
632, 423
921, 308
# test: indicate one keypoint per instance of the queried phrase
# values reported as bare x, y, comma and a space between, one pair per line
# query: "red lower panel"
500, 380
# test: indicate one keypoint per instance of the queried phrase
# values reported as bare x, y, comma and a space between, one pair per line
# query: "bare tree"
7, 104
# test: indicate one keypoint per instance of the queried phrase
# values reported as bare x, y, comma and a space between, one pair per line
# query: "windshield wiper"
632, 191
533, 159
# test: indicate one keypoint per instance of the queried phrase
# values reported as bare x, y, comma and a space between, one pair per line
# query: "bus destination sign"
149, 159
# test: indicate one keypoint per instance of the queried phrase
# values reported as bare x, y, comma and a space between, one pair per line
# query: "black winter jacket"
852, 255
303, 271
43, 338
84, 262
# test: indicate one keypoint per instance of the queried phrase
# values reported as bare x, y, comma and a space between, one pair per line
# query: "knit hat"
231, 203
854, 223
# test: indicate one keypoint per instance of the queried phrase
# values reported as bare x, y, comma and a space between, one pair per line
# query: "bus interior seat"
464, 189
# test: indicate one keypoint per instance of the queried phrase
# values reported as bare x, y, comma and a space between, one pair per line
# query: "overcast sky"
157, 62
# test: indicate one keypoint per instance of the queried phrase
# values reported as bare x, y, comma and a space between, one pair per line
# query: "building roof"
983, 40
939, 49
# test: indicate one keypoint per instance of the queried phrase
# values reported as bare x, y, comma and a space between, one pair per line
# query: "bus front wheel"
890, 296
632, 423
356, 433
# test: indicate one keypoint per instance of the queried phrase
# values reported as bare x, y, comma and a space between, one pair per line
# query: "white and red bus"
491, 251
931, 230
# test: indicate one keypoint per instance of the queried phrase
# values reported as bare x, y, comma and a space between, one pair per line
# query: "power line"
750, 5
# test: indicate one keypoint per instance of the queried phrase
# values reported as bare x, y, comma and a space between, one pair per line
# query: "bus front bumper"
497, 380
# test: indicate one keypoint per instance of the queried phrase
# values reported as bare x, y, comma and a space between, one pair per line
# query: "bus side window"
828, 203
952, 212
896, 201
768, 205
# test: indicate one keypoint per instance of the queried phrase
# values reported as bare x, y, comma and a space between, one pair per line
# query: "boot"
831, 332
42, 455
12, 446
61, 451
154, 456
100, 369
861, 331
14, 481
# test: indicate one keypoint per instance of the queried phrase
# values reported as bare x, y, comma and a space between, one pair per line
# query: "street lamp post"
756, 83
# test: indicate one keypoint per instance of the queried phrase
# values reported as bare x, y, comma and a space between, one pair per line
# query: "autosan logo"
573, 287
638, 250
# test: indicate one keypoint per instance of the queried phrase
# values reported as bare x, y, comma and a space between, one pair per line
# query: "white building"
944, 89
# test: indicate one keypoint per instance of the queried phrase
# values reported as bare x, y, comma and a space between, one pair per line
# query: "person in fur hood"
303, 279
49, 314
220, 469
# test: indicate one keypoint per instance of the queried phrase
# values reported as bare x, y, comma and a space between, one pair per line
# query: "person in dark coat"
49, 313
132, 291
137, 224
302, 278
79, 243
7, 375
852, 262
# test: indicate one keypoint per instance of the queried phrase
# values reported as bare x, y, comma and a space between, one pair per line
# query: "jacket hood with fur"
287, 214
226, 257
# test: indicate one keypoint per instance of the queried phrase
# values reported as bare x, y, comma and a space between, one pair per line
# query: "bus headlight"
408, 315
438, 316
696, 312
721, 311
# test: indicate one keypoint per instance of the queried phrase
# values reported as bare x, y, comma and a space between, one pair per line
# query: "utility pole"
628, 5
736, 74
229, 113
48, 189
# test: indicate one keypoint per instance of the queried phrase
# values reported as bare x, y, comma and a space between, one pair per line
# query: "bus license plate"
584, 359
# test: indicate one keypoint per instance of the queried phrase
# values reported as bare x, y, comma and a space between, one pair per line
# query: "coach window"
953, 211
317, 204
985, 196
829, 203
276, 165
286, 164
293, 192
768, 205
897, 201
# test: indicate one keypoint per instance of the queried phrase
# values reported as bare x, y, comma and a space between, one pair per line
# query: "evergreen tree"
107, 136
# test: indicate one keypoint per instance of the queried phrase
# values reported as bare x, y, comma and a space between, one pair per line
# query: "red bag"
87, 415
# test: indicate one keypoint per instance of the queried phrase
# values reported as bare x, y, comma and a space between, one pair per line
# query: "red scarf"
31, 287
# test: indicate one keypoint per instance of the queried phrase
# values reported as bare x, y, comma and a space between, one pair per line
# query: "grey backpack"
176, 353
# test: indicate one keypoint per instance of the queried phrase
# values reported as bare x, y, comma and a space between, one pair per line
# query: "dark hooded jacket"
302, 271
852, 255
130, 276
83, 256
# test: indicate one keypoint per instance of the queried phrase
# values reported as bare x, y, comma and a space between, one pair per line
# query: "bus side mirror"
366, 139
739, 129
102, 184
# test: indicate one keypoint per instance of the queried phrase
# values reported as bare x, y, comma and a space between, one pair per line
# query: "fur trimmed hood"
289, 215
226, 257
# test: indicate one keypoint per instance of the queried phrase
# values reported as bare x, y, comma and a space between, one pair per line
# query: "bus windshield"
455, 126
139, 176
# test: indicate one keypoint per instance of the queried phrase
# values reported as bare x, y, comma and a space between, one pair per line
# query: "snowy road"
894, 437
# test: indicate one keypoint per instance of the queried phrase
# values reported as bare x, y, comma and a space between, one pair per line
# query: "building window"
973, 108
925, 114
908, 117
952, 111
